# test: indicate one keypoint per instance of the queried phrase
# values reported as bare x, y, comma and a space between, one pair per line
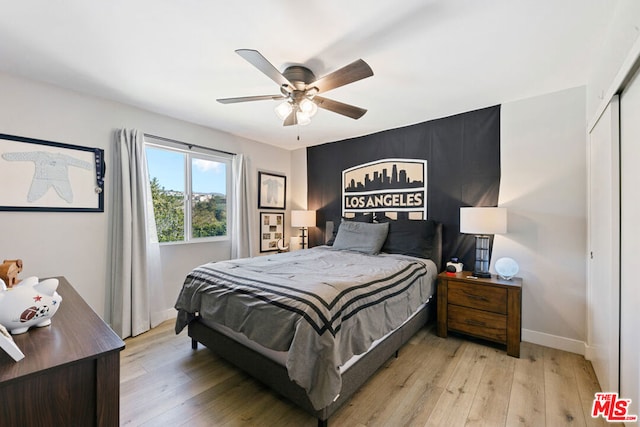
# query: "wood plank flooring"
433, 382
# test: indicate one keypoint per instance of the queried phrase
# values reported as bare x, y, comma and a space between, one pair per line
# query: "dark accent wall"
463, 169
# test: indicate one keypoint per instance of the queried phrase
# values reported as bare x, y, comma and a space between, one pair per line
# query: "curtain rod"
161, 138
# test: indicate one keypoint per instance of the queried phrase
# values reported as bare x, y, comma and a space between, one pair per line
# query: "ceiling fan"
299, 89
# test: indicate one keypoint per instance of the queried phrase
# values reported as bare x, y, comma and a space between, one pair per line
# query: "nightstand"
490, 308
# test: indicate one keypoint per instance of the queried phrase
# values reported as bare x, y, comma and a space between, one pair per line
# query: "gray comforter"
321, 305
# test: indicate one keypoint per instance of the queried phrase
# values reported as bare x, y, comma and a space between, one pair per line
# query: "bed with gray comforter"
321, 306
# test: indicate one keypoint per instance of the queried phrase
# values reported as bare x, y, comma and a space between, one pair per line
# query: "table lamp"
302, 220
483, 222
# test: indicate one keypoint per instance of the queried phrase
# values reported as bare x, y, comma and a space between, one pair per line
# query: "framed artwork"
50, 176
271, 230
272, 189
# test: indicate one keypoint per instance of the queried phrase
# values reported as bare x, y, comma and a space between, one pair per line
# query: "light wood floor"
433, 382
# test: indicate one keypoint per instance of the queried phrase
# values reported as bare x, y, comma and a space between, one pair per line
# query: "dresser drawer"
479, 323
478, 296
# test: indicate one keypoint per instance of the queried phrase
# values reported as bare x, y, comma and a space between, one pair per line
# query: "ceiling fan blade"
250, 98
292, 119
339, 107
353, 72
256, 59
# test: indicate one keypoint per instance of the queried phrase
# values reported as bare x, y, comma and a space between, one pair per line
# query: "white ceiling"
431, 58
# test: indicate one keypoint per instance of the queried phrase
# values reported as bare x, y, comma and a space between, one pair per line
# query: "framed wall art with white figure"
272, 189
50, 176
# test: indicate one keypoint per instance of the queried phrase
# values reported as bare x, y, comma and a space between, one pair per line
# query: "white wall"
298, 191
74, 245
543, 160
609, 57
299, 178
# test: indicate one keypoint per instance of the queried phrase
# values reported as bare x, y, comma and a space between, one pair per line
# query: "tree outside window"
189, 192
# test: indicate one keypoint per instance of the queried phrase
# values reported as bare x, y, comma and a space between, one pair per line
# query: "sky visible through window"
168, 167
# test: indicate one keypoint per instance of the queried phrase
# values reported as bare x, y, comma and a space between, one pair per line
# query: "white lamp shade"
308, 107
303, 218
483, 220
303, 118
283, 110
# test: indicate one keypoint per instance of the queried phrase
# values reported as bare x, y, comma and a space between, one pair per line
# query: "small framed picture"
8, 346
272, 189
271, 230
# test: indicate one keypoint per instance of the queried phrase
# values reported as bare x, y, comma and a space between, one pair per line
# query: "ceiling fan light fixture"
283, 110
308, 107
303, 118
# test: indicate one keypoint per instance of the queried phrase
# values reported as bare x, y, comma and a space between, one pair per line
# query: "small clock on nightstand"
487, 308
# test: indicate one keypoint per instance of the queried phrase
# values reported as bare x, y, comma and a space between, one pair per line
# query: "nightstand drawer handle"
474, 322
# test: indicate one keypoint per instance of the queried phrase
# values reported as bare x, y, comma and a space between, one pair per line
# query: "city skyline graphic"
387, 185
375, 176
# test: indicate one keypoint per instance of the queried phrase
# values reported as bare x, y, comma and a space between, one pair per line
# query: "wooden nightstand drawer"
489, 308
478, 296
479, 323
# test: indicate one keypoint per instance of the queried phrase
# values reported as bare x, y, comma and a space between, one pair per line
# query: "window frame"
189, 154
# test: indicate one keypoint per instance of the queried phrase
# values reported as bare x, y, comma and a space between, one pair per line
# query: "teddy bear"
9, 270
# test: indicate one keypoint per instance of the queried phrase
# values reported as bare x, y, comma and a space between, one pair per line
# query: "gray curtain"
135, 276
240, 220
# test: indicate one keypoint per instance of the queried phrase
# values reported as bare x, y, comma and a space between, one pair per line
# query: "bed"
315, 324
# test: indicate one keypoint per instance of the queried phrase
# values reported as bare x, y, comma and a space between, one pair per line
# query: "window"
189, 191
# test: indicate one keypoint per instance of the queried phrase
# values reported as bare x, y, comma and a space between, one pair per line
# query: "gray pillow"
361, 237
336, 224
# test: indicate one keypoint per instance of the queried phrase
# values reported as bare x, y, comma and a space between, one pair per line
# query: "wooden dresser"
70, 375
485, 308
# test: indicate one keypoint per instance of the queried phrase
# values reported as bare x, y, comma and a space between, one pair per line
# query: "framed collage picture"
271, 230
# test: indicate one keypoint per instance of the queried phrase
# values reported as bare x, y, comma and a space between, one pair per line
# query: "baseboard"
554, 341
589, 352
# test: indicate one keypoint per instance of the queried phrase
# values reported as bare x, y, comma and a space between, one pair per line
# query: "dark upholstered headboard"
437, 247
437, 242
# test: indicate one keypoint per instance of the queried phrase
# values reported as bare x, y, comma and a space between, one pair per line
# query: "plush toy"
9, 270
29, 303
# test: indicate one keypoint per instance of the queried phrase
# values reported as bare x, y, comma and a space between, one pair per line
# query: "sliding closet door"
630, 247
603, 297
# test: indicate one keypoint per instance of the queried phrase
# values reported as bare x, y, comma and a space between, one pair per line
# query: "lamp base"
482, 257
303, 237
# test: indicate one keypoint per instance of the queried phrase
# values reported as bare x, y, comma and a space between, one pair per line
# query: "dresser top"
76, 333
